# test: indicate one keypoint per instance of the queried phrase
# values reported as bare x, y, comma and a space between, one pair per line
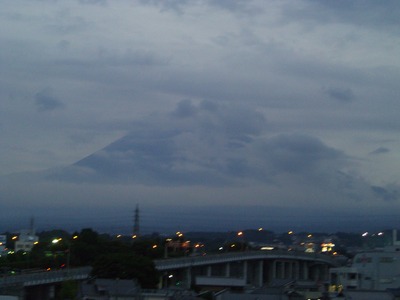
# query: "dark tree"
126, 266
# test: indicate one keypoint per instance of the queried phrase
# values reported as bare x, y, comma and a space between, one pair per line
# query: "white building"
26, 240
3, 242
376, 270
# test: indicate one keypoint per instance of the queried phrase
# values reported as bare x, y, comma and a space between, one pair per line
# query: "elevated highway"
240, 269
40, 284
45, 277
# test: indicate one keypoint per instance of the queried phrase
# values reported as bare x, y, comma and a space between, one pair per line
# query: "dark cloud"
167, 5
179, 6
67, 23
184, 109
96, 2
297, 153
104, 58
45, 101
370, 13
201, 145
385, 193
380, 150
211, 147
238, 6
340, 94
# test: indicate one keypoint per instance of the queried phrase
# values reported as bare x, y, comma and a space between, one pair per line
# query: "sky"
209, 115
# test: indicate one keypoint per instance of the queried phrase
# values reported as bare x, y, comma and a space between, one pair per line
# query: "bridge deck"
45, 277
183, 262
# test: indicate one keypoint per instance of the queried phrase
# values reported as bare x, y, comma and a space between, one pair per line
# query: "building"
3, 242
123, 289
375, 270
26, 240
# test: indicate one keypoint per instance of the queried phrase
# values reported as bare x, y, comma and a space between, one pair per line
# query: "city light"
260, 229
267, 248
327, 247
55, 241
240, 233
290, 232
364, 234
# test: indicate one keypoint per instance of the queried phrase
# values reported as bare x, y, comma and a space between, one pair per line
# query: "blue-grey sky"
211, 114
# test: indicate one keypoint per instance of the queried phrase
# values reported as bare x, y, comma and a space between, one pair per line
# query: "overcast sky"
214, 114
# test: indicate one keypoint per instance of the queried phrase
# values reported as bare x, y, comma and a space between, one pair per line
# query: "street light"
55, 241
68, 244
241, 235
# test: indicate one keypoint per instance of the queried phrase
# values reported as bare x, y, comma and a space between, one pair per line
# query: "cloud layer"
268, 103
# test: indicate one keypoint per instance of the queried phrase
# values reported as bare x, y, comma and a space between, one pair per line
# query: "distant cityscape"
241, 262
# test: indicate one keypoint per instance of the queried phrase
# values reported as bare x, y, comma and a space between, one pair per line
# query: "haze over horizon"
210, 115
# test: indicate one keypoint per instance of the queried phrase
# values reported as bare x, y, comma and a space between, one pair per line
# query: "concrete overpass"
241, 269
40, 284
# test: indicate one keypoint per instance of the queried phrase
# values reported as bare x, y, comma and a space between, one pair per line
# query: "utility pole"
32, 226
136, 226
